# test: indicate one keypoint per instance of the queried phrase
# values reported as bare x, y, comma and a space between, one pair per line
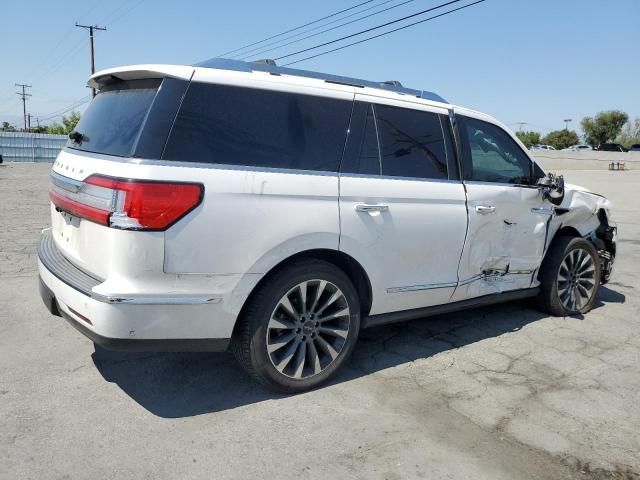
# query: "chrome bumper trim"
155, 300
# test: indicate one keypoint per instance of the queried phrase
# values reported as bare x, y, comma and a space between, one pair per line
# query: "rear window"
112, 122
259, 128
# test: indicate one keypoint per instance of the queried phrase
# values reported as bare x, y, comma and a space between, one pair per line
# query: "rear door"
508, 218
402, 207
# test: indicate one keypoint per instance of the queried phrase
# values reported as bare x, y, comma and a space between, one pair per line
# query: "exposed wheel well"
346, 263
567, 232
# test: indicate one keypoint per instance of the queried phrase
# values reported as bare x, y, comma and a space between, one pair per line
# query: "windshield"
112, 122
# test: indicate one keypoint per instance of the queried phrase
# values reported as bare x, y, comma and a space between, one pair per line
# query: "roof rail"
270, 66
266, 61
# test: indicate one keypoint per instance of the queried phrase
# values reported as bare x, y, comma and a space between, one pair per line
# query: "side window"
243, 126
411, 143
492, 155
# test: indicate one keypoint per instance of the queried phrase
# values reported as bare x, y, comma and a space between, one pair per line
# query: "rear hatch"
108, 210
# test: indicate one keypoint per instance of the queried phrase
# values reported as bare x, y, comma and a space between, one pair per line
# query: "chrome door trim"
415, 288
494, 274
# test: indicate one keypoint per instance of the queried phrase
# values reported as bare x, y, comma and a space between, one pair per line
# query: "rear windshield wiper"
77, 137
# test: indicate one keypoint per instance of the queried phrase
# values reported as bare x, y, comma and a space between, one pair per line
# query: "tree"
560, 139
7, 127
55, 129
604, 127
528, 138
68, 124
630, 134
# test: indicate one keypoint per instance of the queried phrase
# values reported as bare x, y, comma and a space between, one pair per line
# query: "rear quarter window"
229, 125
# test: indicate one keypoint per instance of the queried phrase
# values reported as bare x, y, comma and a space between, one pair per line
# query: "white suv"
279, 211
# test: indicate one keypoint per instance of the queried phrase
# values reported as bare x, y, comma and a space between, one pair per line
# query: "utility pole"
91, 28
24, 96
28, 122
521, 124
566, 123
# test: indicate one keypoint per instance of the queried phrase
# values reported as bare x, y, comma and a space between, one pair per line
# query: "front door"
402, 207
508, 217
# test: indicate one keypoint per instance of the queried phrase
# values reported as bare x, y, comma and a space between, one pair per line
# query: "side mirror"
552, 188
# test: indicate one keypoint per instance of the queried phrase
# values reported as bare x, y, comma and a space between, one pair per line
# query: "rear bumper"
131, 322
134, 345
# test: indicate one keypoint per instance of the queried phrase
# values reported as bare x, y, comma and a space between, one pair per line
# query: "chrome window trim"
405, 179
499, 184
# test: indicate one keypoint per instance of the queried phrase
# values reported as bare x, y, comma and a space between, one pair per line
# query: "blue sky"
536, 61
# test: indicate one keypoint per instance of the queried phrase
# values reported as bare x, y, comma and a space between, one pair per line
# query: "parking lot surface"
503, 392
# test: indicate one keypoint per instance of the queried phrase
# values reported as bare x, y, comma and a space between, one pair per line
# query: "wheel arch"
350, 266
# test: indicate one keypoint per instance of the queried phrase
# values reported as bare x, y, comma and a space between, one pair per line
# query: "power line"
118, 17
66, 109
332, 28
248, 53
24, 96
295, 28
63, 60
368, 30
385, 33
91, 9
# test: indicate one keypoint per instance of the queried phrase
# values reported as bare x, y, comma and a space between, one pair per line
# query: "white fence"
593, 160
30, 147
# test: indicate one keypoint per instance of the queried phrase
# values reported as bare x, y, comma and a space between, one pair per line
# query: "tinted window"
492, 155
411, 143
261, 128
369, 156
112, 122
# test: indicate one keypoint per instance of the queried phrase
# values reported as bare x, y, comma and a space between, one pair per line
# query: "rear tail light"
128, 204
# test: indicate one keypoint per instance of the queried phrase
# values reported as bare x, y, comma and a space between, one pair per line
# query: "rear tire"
299, 327
569, 276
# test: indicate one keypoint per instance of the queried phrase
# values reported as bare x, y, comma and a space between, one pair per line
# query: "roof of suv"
267, 66
250, 67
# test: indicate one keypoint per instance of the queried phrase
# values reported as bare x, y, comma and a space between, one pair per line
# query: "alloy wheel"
308, 329
576, 279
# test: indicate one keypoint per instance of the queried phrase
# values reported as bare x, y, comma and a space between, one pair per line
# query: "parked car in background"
277, 212
610, 147
635, 147
578, 148
538, 146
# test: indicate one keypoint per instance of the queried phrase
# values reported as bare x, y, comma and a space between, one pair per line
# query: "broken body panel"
505, 252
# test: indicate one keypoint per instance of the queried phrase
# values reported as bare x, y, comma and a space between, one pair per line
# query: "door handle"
543, 210
484, 209
368, 208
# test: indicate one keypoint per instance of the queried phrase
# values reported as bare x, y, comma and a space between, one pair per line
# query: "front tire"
299, 327
570, 277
